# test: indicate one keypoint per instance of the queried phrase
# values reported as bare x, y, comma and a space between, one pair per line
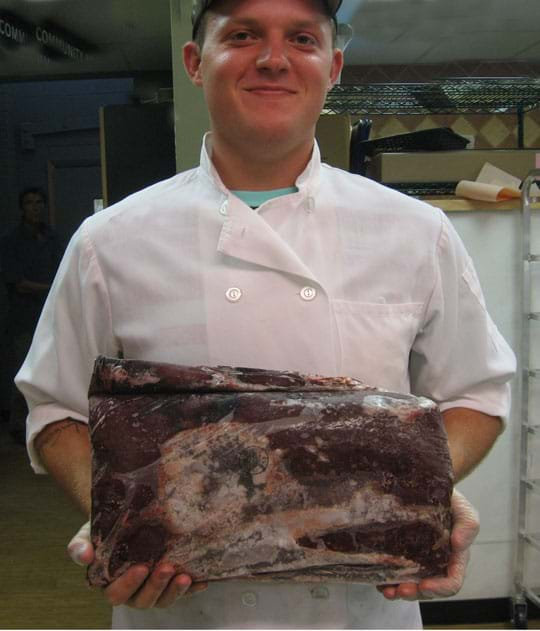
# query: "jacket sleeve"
75, 327
459, 358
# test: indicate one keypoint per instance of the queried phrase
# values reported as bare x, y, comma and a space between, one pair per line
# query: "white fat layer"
204, 507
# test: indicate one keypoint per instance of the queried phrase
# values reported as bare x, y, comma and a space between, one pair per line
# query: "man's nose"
273, 56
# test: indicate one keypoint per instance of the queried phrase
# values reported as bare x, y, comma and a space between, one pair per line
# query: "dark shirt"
35, 258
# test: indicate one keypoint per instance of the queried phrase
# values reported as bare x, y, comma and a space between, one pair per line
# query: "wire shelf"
449, 96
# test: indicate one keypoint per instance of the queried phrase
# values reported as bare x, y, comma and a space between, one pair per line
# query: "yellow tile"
427, 123
532, 132
392, 127
464, 126
495, 131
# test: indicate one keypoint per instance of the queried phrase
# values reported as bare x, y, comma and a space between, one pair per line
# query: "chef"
262, 256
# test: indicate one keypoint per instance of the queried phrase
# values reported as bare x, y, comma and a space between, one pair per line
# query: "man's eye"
305, 40
241, 36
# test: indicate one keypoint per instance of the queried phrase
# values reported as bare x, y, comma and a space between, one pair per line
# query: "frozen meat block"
255, 474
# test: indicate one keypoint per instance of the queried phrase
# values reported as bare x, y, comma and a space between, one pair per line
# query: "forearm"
471, 434
64, 448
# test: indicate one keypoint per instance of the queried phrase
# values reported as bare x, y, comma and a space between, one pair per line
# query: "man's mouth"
270, 90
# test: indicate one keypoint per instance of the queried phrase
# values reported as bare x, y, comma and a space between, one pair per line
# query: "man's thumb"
80, 548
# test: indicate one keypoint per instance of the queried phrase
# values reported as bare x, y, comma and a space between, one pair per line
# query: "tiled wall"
489, 131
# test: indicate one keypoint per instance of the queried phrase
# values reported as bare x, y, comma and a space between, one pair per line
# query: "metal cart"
528, 539
485, 96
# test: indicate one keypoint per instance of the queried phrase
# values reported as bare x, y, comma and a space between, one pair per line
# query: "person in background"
264, 257
30, 255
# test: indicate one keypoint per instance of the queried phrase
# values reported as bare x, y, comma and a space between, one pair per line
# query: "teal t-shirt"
254, 199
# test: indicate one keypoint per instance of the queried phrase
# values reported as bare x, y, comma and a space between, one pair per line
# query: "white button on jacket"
233, 294
147, 278
249, 599
308, 293
320, 591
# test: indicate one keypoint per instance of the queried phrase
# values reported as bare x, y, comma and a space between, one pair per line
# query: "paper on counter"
493, 185
490, 174
485, 192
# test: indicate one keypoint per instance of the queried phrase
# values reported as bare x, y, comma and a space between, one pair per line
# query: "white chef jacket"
343, 277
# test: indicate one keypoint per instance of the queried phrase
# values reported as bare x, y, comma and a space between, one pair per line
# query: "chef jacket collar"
307, 182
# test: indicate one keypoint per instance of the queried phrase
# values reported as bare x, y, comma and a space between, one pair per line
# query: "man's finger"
123, 588
155, 586
388, 591
198, 587
407, 591
179, 587
451, 584
170, 594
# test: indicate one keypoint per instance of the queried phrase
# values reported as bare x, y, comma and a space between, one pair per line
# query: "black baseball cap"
201, 6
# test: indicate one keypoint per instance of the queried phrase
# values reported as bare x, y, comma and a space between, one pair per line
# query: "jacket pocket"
375, 341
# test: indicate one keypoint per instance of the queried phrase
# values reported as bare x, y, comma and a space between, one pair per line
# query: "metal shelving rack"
447, 96
530, 427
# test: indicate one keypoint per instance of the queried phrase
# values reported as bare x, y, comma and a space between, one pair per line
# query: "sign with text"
53, 41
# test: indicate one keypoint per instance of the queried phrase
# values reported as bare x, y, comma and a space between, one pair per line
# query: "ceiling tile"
135, 34
477, 46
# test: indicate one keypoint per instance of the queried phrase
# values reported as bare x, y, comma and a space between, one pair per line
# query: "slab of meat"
235, 472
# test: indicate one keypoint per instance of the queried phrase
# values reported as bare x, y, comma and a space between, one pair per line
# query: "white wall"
190, 114
493, 239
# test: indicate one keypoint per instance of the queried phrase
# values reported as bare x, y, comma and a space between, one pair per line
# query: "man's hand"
136, 588
464, 531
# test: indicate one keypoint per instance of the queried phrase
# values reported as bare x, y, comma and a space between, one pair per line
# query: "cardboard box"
333, 134
449, 166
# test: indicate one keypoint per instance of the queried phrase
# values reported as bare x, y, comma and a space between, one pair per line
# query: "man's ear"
337, 67
192, 62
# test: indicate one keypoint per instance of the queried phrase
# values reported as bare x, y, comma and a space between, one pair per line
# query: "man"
263, 257
30, 257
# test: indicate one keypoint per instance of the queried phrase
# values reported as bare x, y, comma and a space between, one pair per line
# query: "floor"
41, 587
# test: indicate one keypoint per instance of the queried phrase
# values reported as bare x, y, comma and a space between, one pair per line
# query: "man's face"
265, 68
32, 208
